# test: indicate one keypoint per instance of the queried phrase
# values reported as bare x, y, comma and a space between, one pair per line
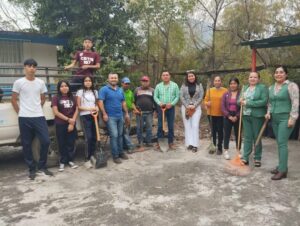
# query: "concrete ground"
173, 188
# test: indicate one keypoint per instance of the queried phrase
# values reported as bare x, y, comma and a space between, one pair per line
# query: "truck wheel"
53, 155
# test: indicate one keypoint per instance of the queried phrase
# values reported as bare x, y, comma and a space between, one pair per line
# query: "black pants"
89, 129
217, 129
29, 128
228, 124
66, 142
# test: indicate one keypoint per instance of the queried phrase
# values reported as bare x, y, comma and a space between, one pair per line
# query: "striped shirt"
164, 94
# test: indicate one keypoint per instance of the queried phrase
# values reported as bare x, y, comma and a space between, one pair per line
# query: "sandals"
194, 149
246, 163
257, 163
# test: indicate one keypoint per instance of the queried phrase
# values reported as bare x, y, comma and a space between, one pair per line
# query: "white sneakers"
73, 165
62, 166
226, 155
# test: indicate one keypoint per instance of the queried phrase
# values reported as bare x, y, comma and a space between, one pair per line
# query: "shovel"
101, 160
141, 148
163, 142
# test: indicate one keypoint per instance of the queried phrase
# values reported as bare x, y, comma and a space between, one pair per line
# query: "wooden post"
253, 65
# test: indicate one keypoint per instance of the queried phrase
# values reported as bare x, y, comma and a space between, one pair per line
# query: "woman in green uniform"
254, 99
284, 110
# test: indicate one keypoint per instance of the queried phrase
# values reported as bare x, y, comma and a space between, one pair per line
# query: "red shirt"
66, 106
86, 58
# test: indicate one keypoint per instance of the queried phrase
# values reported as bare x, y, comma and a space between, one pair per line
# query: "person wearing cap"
166, 95
88, 62
145, 105
31, 94
129, 99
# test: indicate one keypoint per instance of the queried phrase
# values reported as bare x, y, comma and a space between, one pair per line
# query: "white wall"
44, 54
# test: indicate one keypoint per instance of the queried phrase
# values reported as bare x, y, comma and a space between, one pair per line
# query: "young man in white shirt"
31, 94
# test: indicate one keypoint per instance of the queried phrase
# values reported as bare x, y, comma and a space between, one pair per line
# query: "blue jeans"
170, 117
89, 129
29, 128
145, 120
66, 142
127, 144
115, 129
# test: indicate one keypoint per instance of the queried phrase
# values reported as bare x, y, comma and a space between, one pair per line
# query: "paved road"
173, 188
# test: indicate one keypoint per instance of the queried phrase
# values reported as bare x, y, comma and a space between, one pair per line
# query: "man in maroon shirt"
87, 61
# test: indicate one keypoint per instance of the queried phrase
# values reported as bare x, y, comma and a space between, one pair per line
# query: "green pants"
251, 128
282, 133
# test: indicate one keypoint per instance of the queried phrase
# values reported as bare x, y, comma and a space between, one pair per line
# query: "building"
15, 47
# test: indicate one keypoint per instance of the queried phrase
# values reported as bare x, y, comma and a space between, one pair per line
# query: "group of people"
253, 104
117, 106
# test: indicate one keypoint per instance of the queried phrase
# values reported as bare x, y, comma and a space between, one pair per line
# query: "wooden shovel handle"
163, 109
240, 129
95, 116
262, 129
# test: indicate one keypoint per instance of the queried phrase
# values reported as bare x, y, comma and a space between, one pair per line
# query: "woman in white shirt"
87, 103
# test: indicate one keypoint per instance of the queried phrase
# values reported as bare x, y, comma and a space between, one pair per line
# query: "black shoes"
274, 171
117, 160
219, 152
32, 175
279, 176
45, 172
190, 147
123, 156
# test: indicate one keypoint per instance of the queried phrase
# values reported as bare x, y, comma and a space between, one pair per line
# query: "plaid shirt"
166, 93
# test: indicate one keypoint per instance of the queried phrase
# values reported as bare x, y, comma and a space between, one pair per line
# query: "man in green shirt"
129, 99
166, 95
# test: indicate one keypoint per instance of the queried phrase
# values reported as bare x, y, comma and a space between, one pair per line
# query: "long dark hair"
59, 94
84, 89
186, 81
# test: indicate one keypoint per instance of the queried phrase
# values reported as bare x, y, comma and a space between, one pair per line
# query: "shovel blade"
101, 160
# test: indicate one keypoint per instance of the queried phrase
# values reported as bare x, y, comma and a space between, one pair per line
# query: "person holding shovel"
213, 101
166, 96
254, 99
113, 107
145, 106
191, 94
87, 103
284, 110
231, 112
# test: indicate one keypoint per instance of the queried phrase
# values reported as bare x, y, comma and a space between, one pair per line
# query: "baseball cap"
125, 80
145, 78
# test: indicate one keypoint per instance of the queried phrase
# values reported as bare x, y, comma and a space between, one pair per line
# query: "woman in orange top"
213, 103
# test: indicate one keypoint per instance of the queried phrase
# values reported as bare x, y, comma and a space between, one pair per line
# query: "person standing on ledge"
88, 62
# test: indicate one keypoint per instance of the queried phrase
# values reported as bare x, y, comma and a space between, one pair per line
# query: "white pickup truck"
10, 134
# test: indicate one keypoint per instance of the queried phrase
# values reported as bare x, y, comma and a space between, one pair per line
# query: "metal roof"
32, 37
280, 41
